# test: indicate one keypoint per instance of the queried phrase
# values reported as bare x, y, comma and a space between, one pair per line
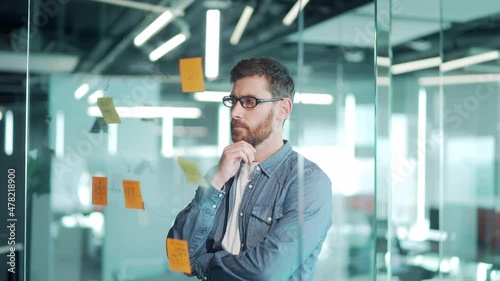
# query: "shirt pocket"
261, 221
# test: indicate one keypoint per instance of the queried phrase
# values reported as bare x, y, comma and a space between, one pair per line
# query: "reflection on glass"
397, 102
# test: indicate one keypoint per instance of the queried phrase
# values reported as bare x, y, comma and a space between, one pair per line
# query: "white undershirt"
231, 241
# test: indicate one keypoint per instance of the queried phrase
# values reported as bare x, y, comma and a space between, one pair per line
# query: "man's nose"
237, 110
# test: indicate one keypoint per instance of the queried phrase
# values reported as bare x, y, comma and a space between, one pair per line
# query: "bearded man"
267, 209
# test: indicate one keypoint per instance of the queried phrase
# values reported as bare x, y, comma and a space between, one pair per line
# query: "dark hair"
277, 74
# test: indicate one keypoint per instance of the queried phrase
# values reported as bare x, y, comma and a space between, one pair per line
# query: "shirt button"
214, 206
258, 168
242, 245
220, 195
205, 278
250, 186
241, 214
269, 219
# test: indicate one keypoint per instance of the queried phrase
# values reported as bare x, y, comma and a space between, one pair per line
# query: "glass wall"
442, 205
397, 101
102, 55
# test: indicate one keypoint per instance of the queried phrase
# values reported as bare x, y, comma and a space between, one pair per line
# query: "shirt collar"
272, 163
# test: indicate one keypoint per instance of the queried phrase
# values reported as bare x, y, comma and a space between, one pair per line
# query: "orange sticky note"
178, 255
191, 75
132, 193
100, 191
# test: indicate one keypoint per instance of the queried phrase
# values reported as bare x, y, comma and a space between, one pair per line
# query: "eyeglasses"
246, 102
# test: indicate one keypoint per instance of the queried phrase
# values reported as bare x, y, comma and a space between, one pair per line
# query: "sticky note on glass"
132, 193
100, 191
108, 110
191, 171
178, 255
191, 75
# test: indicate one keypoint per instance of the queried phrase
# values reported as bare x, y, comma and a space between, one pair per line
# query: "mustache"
237, 123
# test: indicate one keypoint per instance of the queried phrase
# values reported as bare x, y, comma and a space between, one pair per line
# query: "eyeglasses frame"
257, 101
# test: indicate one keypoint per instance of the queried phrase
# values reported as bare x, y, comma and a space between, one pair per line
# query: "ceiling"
95, 36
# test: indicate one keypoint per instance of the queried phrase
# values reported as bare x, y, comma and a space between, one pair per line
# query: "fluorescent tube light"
167, 47
113, 139
463, 62
350, 125
241, 25
459, 79
224, 133
422, 153
95, 96
153, 28
383, 81
415, 65
383, 61
294, 11
305, 98
81, 91
9, 133
210, 96
83, 189
212, 44
167, 137
150, 112
311, 98
60, 134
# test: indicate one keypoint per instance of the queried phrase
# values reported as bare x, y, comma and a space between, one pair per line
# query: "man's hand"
230, 161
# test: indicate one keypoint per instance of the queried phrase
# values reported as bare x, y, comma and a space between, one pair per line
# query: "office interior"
397, 101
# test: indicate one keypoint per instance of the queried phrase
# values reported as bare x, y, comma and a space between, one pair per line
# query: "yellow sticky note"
100, 191
191, 75
178, 255
108, 110
191, 171
132, 193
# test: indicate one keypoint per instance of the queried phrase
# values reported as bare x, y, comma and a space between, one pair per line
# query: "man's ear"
285, 108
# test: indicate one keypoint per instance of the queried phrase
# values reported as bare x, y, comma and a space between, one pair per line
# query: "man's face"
253, 125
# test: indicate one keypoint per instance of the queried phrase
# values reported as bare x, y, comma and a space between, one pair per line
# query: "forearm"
278, 256
194, 223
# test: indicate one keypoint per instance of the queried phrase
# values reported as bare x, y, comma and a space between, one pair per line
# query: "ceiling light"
59, 134
113, 139
415, 65
167, 137
312, 98
459, 79
81, 91
150, 112
210, 96
463, 62
383, 81
167, 47
212, 44
153, 28
420, 45
383, 61
305, 98
241, 25
294, 11
9, 133
96, 95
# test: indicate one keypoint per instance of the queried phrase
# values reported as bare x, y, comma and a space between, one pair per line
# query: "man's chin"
237, 138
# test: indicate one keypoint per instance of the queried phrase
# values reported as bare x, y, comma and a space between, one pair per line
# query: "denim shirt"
275, 245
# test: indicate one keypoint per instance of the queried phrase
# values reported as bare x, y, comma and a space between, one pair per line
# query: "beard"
253, 136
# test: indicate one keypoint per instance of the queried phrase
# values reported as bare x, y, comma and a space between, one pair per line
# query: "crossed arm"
279, 255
